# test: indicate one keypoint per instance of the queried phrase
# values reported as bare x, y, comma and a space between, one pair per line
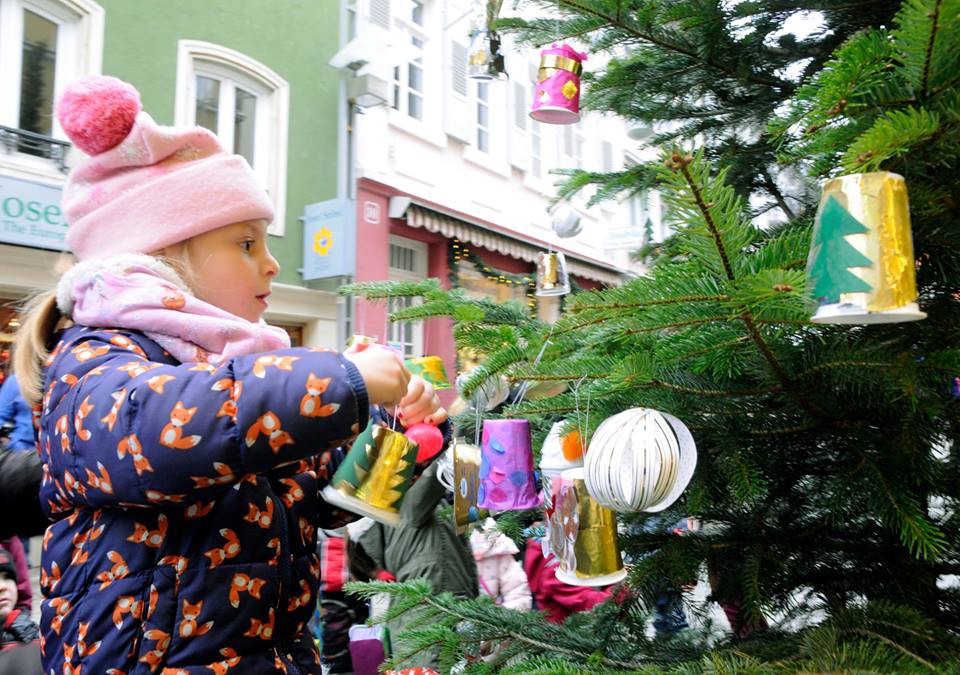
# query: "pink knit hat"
146, 186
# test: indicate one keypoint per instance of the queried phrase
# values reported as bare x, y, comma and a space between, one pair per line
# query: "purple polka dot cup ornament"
556, 98
506, 467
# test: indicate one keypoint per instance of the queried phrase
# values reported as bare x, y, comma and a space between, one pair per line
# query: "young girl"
180, 435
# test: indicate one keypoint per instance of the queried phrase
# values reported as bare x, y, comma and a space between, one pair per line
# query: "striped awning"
515, 247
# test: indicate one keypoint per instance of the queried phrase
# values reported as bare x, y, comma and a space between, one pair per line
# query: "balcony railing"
27, 142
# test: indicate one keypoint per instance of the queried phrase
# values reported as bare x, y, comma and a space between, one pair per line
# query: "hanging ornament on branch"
556, 98
639, 460
375, 474
552, 276
861, 267
565, 221
583, 535
484, 59
431, 369
506, 470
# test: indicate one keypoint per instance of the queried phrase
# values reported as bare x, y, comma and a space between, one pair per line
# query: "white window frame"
481, 131
80, 26
401, 79
195, 58
536, 150
419, 273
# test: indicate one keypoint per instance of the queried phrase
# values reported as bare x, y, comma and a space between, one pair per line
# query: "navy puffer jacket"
186, 501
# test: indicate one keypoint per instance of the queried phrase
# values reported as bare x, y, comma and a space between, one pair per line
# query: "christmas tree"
826, 481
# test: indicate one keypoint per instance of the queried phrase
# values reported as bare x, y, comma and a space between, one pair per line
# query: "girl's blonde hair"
41, 318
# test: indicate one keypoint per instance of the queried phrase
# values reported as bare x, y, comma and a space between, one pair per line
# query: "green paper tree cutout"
832, 255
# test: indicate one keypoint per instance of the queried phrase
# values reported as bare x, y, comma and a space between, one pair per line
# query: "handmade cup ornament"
591, 554
484, 59
555, 458
375, 474
861, 265
488, 395
553, 462
552, 277
561, 521
431, 369
506, 468
360, 342
556, 98
466, 485
639, 460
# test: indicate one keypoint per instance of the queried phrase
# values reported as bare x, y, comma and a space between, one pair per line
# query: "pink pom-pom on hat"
146, 186
98, 112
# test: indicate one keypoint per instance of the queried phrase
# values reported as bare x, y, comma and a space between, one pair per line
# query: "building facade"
253, 72
452, 178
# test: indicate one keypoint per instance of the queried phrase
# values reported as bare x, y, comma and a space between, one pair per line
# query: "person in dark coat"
20, 476
181, 436
19, 636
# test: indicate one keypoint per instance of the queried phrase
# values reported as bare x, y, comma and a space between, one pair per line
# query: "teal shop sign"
329, 239
30, 214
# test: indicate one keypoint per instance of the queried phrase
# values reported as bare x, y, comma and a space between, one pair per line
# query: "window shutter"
519, 105
458, 68
380, 13
457, 115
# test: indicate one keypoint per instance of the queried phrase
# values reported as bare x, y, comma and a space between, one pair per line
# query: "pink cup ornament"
556, 98
506, 467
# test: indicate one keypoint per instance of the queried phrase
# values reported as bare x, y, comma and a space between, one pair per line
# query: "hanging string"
526, 383
583, 423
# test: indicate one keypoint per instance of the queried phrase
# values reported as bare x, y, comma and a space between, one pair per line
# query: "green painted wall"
295, 38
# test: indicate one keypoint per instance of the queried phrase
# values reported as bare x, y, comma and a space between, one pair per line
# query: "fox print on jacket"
186, 499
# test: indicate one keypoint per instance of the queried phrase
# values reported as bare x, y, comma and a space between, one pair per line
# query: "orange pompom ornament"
572, 446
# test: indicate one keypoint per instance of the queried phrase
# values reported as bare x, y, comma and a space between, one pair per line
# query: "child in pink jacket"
500, 575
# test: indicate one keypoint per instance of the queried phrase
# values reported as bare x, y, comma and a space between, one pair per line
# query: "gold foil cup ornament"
375, 475
592, 556
431, 369
466, 483
552, 277
861, 267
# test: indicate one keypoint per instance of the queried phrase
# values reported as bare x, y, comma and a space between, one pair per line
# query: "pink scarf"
140, 292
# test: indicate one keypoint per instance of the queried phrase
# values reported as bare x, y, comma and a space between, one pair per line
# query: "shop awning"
431, 220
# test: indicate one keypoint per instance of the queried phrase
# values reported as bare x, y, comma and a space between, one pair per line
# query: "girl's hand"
421, 404
383, 372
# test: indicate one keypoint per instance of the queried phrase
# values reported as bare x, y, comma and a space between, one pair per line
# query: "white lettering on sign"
371, 213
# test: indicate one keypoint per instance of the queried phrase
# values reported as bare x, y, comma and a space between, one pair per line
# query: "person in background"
15, 410
555, 598
21, 474
499, 573
19, 636
341, 561
422, 546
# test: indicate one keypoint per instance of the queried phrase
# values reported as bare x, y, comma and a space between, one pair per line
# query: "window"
408, 262
483, 117
44, 45
242, 101
350, 30
536, 156
408, 85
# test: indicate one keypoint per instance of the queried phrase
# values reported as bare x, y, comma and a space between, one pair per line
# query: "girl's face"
8, 594
232, 268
